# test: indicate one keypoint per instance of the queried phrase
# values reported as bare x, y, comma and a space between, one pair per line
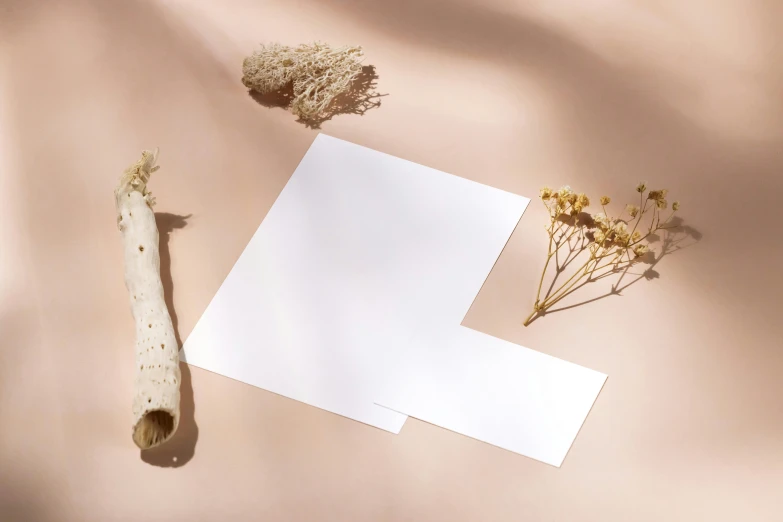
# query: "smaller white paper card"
492, 390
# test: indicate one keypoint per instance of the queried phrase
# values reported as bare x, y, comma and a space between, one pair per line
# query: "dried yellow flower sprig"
612, 243
318, 72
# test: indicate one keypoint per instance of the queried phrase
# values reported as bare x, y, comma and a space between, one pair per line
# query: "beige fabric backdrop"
686, 95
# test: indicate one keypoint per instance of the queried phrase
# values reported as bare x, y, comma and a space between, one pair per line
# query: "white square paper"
358, 252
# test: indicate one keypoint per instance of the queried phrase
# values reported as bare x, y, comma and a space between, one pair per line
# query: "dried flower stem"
603, 237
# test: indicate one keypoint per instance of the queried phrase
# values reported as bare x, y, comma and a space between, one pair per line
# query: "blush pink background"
686, 95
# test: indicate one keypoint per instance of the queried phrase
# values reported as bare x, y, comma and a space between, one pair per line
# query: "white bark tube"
156, 395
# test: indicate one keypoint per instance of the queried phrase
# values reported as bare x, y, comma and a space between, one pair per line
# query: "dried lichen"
318, 73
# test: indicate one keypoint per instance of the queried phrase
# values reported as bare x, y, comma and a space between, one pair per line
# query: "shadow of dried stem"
182, 447
360, 98
675, 237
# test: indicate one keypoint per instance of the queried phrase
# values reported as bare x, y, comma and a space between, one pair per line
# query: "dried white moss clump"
156, 396
318, 73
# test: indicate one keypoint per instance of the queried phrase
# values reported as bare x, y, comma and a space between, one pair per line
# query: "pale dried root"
318, 73
156, 394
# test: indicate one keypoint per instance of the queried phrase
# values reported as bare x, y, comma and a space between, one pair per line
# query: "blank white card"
492, 390
359, 252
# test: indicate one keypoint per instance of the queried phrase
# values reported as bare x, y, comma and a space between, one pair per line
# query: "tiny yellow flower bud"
601, 221
676, 206
546, 193
633, 210
640, 250
621, 227
658, 195
641, 187
605, 200
565, 191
